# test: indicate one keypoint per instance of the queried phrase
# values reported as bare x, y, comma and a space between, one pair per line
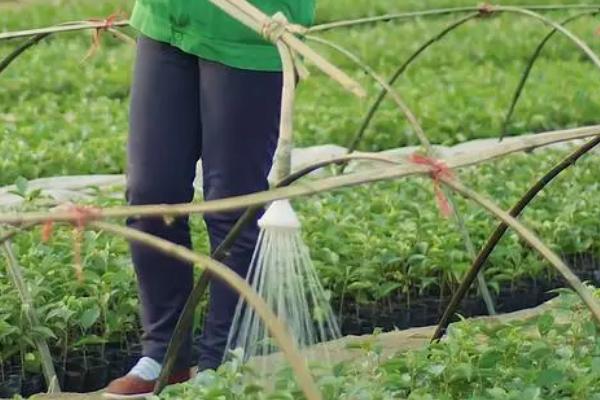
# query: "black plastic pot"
11, 386
114, 351
506, 301
96, 376
433, 307
390, 319
134, 354
349, 328
117, 369
472, 307
384, 323
401, 320
519, 297
74, 376
585, 265
419, 315
353, 325
117, 359
14, 369
33, 384
95, 350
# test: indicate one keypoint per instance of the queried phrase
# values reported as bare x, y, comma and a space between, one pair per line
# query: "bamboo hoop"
232, 279
353, 145
458, 219
528, 68
387, 88
497, 234
584, 293
84, 25
255, 19
283, 159
15, 274
187, 314
61, 28
437, 12
33, 40
451, 27
6, 61
308, 188
582, 45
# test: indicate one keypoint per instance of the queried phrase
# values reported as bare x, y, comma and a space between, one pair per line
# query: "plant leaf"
89, 317
43, 332
550, 377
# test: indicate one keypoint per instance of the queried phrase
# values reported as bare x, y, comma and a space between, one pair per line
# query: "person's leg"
240, 122
163, 149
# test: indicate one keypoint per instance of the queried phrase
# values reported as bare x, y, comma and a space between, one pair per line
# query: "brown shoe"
132, 387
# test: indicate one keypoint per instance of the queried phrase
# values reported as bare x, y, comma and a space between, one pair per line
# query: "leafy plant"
556, 355
384, 244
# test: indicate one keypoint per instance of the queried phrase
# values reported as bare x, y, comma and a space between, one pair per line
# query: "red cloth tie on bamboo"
106, 24
438, 171
486, 9
80, 214
47, 230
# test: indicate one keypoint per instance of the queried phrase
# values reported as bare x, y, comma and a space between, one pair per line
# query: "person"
205, 87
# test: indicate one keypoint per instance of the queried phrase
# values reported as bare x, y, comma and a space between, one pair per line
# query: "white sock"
146, 369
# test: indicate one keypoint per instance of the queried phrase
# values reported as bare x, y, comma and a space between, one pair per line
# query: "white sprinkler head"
280, 214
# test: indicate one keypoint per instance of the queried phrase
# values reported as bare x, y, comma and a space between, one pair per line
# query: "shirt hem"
265, 57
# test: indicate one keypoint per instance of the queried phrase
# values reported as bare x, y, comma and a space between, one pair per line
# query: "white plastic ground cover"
85, 187
63, 188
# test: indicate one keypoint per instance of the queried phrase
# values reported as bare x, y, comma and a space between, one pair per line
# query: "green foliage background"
61, 116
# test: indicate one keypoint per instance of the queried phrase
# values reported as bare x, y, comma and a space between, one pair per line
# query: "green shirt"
200, 28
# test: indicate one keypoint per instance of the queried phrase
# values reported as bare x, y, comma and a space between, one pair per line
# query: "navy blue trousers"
185, 109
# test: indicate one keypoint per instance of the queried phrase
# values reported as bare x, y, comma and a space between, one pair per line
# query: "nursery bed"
347, 348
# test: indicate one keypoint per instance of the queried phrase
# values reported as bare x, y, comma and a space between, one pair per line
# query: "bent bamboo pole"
83, 25
411, 117
574, 38
187, 314
495, 237
255, 19
534, 57
65, 27
14, 272
6, 61
516, 144
228, 276
454, 25
437, 12
584, 293
358, 136
385, 87
32, 41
